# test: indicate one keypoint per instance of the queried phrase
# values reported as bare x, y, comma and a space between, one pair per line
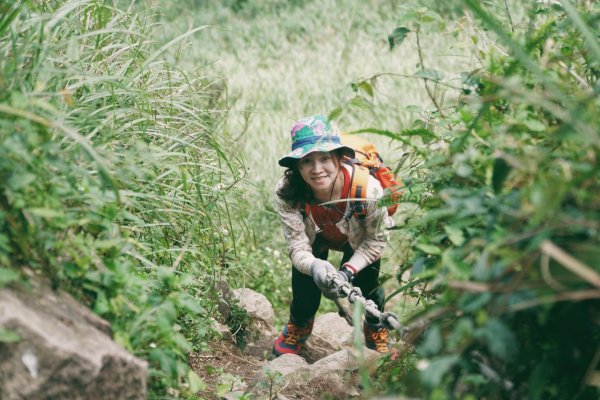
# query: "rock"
278, 373
285, 365
260, 348
330, 333
344, 360
233, 395
258, 308
234, 382
337, 374
330, 385
226, 294
223, 331
64, 351
291, 376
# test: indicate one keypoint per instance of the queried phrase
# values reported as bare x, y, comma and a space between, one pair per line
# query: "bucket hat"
310, 134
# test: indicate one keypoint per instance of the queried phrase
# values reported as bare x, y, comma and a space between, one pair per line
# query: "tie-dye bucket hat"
310, 134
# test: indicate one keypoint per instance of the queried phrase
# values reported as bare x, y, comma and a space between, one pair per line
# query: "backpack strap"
303, 207
358, 190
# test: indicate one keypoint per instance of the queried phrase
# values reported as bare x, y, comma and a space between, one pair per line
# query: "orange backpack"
368, 162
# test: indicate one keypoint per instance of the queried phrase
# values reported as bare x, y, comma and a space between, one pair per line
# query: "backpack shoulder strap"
358, 189
303, 207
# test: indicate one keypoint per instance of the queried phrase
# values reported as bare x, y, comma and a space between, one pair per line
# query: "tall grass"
115, 175
285, 60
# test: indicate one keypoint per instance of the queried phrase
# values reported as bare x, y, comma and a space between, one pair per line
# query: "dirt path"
227, 368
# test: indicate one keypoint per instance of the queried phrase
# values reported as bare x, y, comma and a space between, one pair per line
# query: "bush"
114, 176
507, 234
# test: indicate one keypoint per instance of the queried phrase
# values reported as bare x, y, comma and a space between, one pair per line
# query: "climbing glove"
319, 269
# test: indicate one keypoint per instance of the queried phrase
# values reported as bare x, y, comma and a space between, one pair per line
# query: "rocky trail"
64, 351
327, 366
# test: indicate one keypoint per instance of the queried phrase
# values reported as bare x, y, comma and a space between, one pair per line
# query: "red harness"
327, 216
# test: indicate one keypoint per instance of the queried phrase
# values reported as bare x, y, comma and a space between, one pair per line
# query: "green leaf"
335, 113
376, 131
429, 248
455, 235
456, 265
190, 304
499, 338
363, 86
7, 336
8, 276
413, 108
432, 342
196, 383
359, 102
47, 213
19, 181
470, 302
223, 389
534, 125
101, 305
366, 87
8, 17
501, 169
397, 36
4, 242
426, 135
431, 74
434, 373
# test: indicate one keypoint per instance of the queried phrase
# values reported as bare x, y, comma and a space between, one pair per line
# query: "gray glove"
319, 269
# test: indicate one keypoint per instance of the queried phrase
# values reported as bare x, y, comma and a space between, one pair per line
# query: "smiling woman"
314, 205
321, 171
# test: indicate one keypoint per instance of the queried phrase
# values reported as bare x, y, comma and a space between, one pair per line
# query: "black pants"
306, 296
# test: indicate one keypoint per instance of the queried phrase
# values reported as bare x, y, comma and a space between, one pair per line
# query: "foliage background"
136, 173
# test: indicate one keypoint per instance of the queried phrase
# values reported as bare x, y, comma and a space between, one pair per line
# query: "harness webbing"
358, 189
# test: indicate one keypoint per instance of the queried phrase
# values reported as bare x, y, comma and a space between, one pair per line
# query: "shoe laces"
380, 339
295, 332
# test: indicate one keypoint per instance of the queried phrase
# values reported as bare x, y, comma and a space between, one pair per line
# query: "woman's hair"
294, 190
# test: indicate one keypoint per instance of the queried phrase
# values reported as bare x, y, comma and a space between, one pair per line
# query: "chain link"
354, 294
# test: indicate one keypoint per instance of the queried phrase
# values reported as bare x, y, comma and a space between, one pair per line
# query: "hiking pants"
306, 296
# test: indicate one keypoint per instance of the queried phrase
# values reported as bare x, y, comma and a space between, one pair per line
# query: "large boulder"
260, 333
63, 352
275, 375
330, 333
290, 375
258, 308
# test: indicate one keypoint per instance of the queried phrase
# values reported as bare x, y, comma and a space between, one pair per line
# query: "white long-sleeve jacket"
367, 236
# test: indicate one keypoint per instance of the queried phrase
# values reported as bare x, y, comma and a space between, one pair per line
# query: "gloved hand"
319, 269
336, 286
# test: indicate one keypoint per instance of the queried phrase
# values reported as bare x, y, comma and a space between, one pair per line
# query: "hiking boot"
292, 338
377, 337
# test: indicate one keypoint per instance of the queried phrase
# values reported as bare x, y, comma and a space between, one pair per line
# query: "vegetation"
114, 176
124, 159
506, 238
279, 67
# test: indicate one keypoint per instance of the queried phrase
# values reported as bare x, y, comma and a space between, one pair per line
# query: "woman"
317, 174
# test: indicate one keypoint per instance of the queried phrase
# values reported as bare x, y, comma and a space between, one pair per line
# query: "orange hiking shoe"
292, 338
377, 337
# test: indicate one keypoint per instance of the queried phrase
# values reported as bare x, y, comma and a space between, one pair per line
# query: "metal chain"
345, 289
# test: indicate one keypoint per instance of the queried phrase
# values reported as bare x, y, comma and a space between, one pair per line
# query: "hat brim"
289, 160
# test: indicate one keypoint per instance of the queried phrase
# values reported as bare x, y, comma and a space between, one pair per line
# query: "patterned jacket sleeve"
294, 231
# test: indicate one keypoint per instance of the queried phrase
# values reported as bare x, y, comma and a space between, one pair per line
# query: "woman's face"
319, 170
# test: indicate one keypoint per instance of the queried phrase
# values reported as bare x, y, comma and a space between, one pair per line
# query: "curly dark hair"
295, 190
